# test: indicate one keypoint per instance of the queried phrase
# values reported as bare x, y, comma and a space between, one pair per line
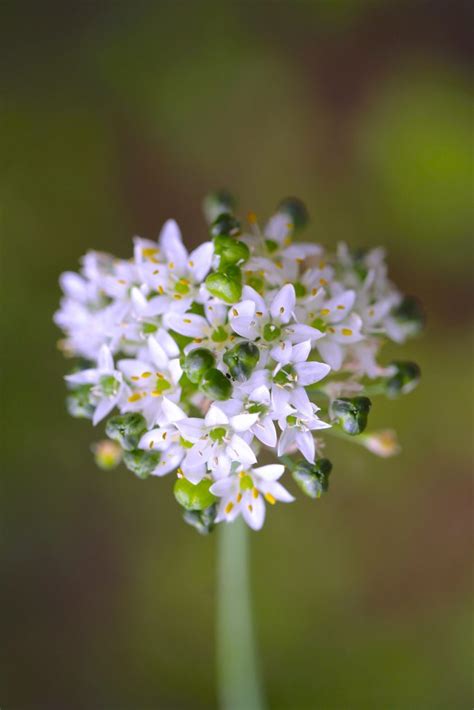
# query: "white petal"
195, 474
191, 428
297, 332
169, 461
331, 352
84, 377
215, 417
271, 472
243, 422
200, 261
172, 412
310, 372
105, 360
246, 326
278, 491
283, 304
172, 245
280, 399
253, 512
305, 443
167, 342
287, 440
340, 306
154, 439
301, 351
223, 487
189, 324
249, 293
104, 407
301, 402
282, 352
158, 355
265, 432
241, 451
134, 368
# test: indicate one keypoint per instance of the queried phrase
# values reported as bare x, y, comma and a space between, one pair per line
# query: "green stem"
237, 665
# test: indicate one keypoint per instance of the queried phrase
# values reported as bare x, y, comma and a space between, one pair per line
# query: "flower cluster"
204, 362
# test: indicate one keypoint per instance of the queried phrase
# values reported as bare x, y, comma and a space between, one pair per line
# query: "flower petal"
310, 372
283, 304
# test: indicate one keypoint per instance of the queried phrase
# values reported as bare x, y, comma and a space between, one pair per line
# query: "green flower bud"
410, 314
351, 413
296, 211
127, 429
141, 463
226, 285
225, 224
215, 384
404, 380
107, 454
202, 520
78, 402
230, 250
197, 363
217, 203
194, 496
241, 360
313, 479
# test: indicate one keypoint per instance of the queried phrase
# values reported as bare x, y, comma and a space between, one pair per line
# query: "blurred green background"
115, 116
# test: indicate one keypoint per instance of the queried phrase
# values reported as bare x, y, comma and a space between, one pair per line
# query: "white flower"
107, 384
151, 376
244, 493
218, 441
297, 428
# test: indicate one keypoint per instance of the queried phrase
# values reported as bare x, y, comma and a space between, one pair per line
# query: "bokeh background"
115, 116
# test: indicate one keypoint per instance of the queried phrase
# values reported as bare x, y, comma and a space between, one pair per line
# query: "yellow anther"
323, 282
156, 271
151, 444
156, 393
331, 330
282, 309
259, 313
145, 375
346, 331
149, 252
177, 297
135, 378
278, 264
314, 291
134, 397
187, 320
270, 498
235, 312
121, 281
171, 265
325, 311
229, 507
250, 507
322, 264
160, 290
239, 497
191, 264
340, 307
164, 435
254, 492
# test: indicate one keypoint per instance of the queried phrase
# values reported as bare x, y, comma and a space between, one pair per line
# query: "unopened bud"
230, 250
78, 402
194, 496
202, 520
410, 314
405, 379
296, 211
141, 462
351, 413
313, 479
127, 429
241, 360
215, 385
226, 285
197, 363
217, 203
225, 224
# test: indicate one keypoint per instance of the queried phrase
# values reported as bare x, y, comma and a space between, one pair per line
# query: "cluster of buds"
205, 363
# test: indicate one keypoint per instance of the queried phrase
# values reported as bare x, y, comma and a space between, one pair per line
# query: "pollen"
135, 378
145, 375
229, 507
121, 281
160, 290
151, 444
340, 307
325, 311
259, 313
239, 497
323, 282
191, 264
250, 507
314, 291
171, 265
254, 492
235, 312
270, 498
134, 397
346, 331
187, 320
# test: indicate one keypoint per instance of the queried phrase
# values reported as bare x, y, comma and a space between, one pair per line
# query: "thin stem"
237, 665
